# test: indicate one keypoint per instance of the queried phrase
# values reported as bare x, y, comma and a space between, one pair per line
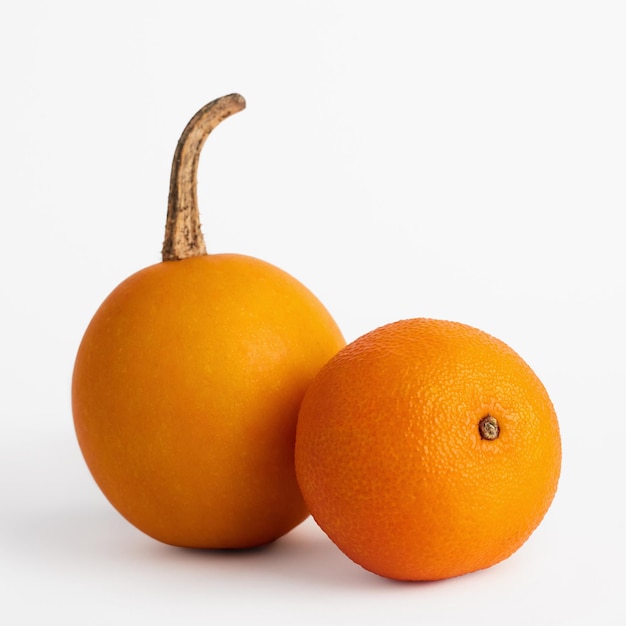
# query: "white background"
462, 160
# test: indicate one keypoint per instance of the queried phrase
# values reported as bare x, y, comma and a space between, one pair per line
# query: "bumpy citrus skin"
390, 458
185, 395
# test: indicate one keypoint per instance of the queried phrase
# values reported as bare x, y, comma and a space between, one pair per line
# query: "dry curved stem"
183, 235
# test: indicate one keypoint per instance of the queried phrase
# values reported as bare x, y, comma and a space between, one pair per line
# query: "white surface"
449, 159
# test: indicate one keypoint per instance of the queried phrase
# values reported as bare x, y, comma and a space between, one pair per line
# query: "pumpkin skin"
185, 395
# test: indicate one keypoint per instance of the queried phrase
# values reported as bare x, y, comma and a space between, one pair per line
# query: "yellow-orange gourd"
188, 381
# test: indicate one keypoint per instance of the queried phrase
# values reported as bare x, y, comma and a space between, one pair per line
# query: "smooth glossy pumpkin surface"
186, 390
